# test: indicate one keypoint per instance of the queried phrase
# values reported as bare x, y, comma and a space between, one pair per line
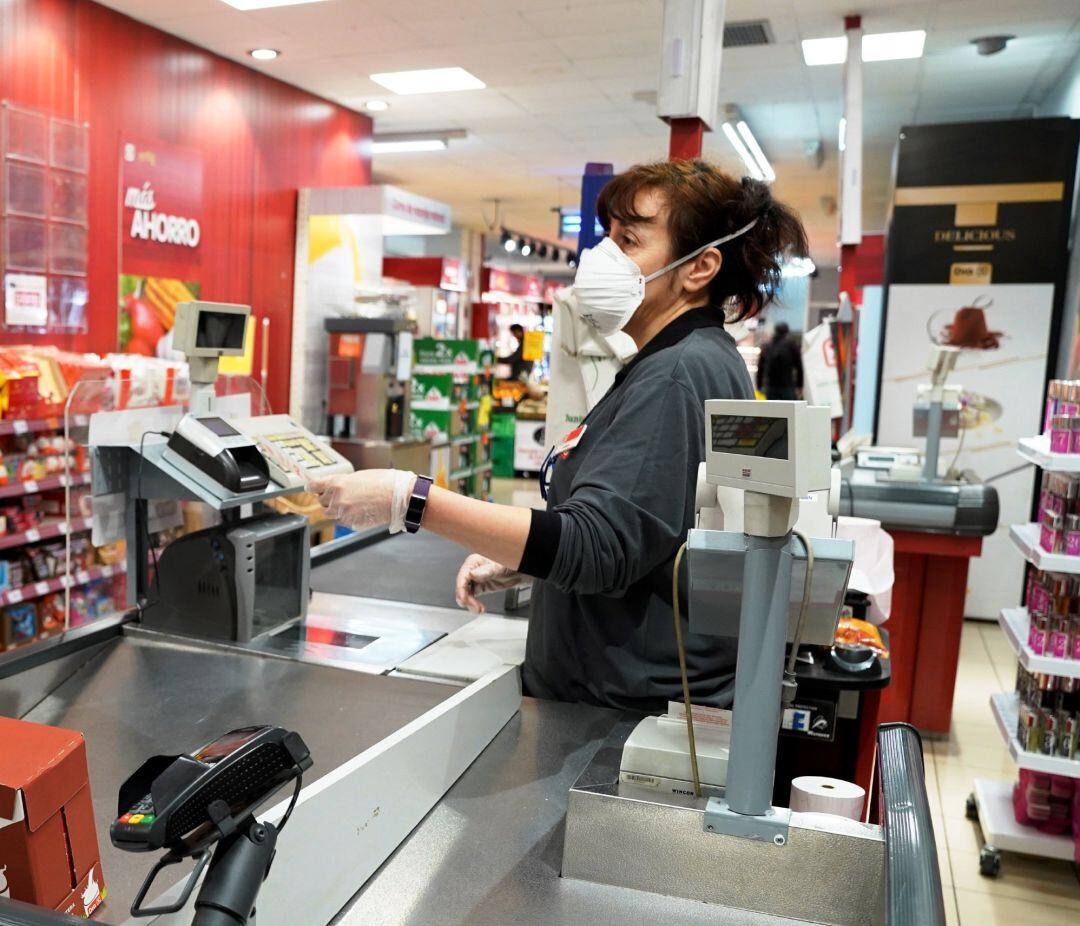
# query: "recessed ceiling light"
407, 145
432, 80
264, 54
893, 46
879, 46
376, 106
265, 4
825, 51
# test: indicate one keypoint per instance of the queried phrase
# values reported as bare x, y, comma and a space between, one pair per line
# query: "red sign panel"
161, 208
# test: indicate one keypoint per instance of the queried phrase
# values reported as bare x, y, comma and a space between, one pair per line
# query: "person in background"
520, 368
780, 372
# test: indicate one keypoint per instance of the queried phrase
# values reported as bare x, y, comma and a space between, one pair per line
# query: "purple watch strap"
414, 514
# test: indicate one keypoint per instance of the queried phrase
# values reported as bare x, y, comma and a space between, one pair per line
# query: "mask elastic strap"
704, 247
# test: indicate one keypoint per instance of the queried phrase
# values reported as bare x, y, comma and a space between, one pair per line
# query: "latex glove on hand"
478, 575
366, 498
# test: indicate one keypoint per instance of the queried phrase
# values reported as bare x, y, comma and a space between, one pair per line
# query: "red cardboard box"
48, 843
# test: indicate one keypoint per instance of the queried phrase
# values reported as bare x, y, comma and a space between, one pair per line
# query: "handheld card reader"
216, 449
192, 803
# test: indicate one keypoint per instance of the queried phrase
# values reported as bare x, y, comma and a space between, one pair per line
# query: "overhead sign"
402, 212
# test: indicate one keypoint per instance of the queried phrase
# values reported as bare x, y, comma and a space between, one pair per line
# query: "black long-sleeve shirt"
619, 506
780, 366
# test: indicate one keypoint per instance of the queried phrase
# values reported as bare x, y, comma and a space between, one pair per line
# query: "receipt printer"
212, 447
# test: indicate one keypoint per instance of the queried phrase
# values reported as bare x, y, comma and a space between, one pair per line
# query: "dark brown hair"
703, 204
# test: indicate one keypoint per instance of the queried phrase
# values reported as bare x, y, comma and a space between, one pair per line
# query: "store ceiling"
568, 82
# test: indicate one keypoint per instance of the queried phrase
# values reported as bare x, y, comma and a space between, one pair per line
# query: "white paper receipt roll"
815, 794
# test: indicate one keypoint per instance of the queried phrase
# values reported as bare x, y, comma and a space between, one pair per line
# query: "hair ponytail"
751, 273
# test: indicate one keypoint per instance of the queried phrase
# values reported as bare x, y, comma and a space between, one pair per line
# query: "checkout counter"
438, 793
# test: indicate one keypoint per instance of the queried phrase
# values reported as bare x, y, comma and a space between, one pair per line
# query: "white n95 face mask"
610, 286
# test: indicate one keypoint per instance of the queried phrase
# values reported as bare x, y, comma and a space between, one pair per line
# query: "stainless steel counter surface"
419, 568
143, 695
489, 854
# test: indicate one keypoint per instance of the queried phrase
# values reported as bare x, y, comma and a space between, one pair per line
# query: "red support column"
686, 139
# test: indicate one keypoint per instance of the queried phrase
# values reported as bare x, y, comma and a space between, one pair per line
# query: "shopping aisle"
1028, 890
522, 492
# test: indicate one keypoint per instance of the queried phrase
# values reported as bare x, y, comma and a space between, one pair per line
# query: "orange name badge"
571, 440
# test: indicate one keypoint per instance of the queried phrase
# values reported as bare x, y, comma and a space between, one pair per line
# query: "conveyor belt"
419, 568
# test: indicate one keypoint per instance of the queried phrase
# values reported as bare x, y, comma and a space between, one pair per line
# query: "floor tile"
1042, 881
952, 918
984, 752
962, 835
980, 732
980, 909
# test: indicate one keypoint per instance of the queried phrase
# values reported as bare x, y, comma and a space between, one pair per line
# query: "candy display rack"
991, 802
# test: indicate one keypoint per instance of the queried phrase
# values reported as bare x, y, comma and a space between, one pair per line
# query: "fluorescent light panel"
755, 150
407, 145
265, 4
880, 46
432, 80
825, 51
893, 46
743, 151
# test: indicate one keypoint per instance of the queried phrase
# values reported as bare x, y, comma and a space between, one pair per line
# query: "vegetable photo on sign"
148, 310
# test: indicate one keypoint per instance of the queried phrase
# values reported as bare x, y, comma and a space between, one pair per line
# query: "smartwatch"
414, 514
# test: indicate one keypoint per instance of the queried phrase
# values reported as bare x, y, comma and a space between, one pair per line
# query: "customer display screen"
219, 426
278, 566
221, 330
750, 435
226, 745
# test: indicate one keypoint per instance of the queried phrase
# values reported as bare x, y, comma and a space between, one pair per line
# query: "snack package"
854, 632
51, 614
18, 624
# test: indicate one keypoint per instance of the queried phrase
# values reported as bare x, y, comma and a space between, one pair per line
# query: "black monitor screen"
220, 330
750, 435
278, 567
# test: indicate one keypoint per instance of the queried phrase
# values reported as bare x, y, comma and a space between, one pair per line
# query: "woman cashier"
686, 245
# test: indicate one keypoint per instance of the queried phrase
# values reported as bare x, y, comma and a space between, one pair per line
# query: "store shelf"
1026, 538
465, 439
997, 820
48, 586
1006, 713
47, 484
1037, 450
47, 531
37, 425
470, 471
1015, 622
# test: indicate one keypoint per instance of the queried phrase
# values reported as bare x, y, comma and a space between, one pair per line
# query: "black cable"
141, 605
292, 804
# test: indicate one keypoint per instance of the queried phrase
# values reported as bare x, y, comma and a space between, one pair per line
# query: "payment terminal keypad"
301, 449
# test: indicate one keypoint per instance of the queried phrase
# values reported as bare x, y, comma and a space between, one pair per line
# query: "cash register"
248, 575
244, 455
